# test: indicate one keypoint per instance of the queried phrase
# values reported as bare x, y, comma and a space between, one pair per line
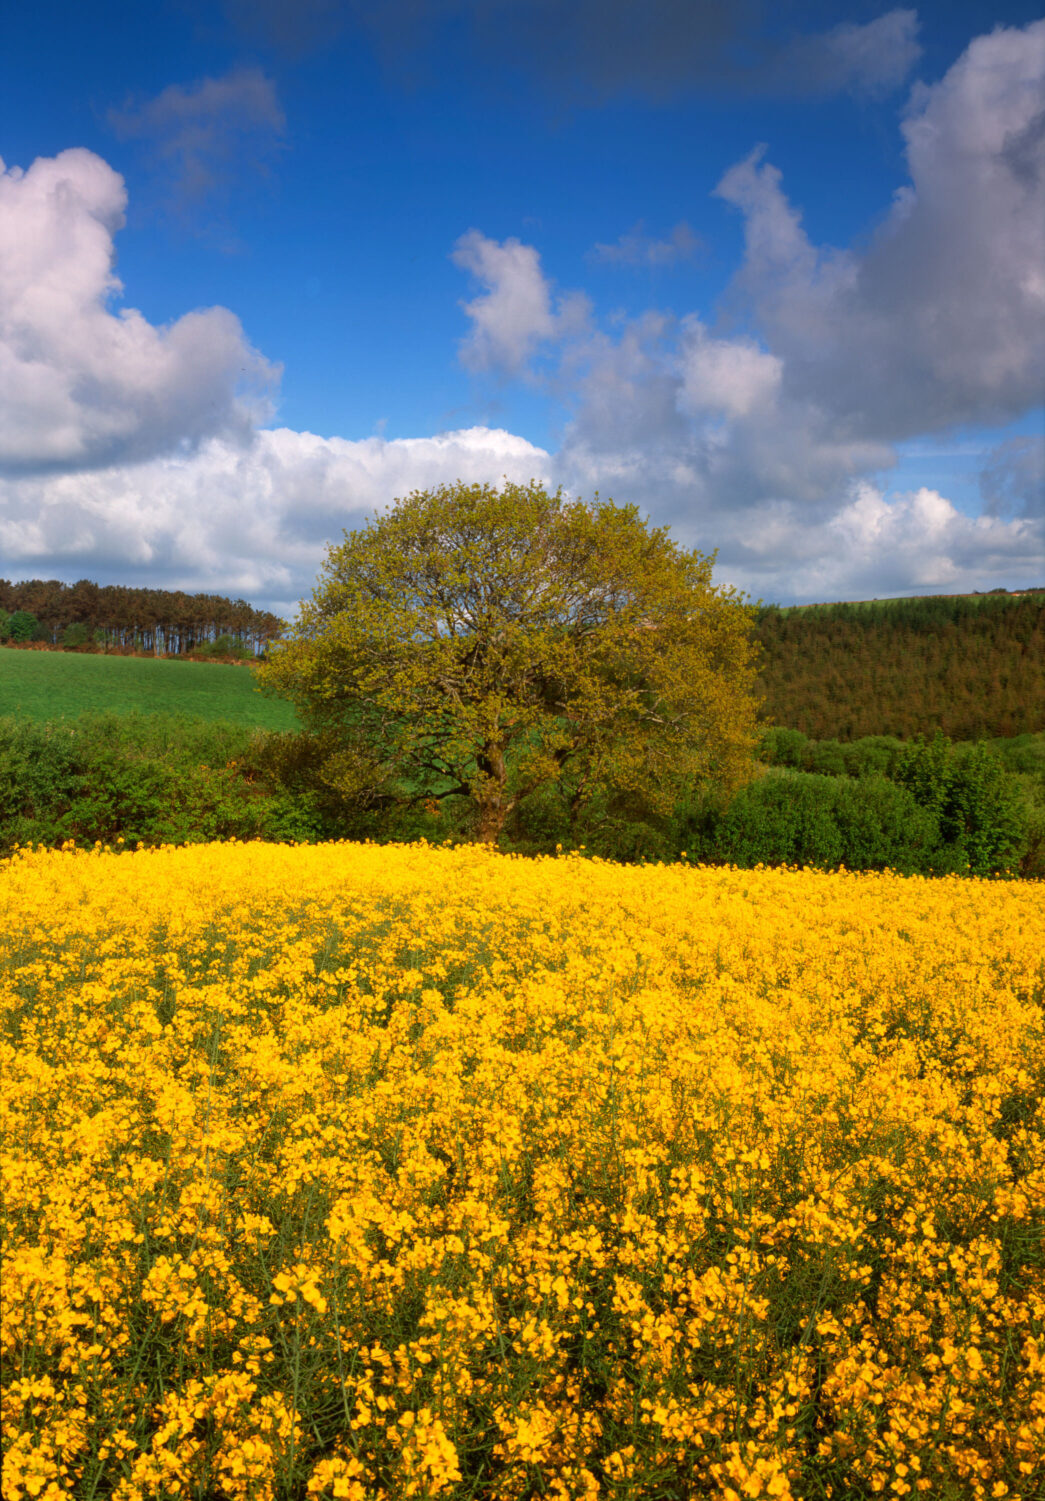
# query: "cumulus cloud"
937, 322
941, 320
515, 315
876, 545
248, 520
731, 376
695, 419
203, 133
81, 384
636, 248
921, 541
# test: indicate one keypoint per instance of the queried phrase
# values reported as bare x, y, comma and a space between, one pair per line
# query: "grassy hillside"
45, 686
969, 665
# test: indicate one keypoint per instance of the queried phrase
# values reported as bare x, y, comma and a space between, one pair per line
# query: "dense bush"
145, 779
943, 808
75, 637
872, 755
22, 627
981, 817
165, 779
1023, 754
800, 818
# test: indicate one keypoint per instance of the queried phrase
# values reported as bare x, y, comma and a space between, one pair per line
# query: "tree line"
967, 665
126, 618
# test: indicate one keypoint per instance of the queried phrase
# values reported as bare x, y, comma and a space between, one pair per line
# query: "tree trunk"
492, 814
493, 806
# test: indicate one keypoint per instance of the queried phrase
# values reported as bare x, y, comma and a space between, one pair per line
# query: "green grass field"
49, 685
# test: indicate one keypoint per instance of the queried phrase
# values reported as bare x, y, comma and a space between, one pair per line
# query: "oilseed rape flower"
346, 1171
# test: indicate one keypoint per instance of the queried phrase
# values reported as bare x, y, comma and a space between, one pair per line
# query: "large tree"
482, 642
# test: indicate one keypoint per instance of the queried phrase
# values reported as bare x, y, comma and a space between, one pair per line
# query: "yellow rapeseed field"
373, 1173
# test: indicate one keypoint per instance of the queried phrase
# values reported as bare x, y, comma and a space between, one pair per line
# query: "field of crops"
363, 1172
49, 685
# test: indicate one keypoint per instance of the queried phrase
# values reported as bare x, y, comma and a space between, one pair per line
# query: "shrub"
148, 780
825, 758
1023, 754
75, 637
981, 816
798, 818
23, 626
873, 755
224, 646
781, 747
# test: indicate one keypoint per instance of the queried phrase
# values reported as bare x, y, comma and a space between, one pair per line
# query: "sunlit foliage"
482, 643
364, 1172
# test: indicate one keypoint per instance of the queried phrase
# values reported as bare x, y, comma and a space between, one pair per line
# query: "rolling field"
48, 685
346, 1171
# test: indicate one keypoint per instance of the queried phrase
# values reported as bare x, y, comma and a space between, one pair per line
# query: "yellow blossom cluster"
378, 1173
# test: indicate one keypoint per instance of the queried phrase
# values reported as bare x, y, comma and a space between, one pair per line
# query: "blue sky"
772, 274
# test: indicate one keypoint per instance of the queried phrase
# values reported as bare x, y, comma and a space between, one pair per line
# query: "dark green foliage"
970, 666
981, 817
871, 756
146, 779
615, 825
984, 818
1024, 754
226, 646
782, 747
802, 819
75, 637
22, 627
154, 779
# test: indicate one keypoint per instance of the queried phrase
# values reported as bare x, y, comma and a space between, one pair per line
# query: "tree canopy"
483, 642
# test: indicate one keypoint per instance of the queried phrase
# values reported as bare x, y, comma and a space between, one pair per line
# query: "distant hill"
970, 665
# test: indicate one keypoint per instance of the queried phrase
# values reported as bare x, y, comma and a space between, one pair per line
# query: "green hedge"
807, 819
146, 779
164, 779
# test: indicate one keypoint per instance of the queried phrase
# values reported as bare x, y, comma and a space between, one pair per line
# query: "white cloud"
79, 383
514, 316
732, 376
938, 322
922, 541
760, 442
248, 519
